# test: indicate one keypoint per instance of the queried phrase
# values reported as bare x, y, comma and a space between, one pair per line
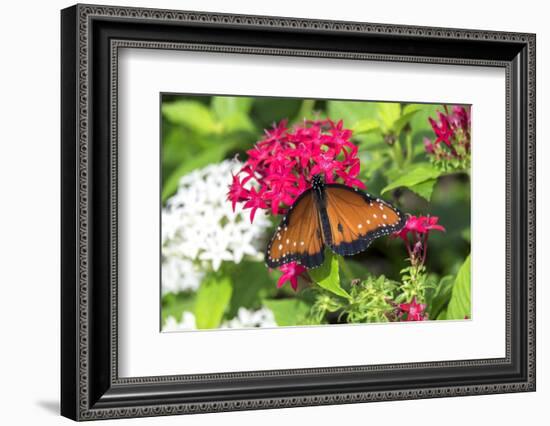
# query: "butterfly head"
318, 182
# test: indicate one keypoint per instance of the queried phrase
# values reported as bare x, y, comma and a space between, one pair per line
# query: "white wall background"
29, 216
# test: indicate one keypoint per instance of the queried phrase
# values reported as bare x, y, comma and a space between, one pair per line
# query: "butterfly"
342, 218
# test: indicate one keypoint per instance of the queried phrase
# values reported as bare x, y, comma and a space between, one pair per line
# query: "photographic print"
309, 212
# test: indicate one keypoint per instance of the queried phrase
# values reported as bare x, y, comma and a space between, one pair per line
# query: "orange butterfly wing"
299, 237
355, 219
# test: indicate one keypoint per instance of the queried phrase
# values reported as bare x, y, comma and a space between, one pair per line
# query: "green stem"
398, 153
409, 145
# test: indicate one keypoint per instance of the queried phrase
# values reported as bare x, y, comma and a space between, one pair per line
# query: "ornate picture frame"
91, 37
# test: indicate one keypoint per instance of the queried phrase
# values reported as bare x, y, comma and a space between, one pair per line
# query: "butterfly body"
344, 219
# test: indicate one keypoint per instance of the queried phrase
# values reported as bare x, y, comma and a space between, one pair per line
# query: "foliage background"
202, 130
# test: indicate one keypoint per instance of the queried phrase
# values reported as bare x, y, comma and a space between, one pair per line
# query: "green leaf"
328, 275
389, 113
424, 189
226, 106
371, 164
459, 305
174, 148
267, 111
213, 154
402, 121
211, 301
365, 126
233, 113
288, 312
416, 174
191, 114
466, 234
439, 297
175, 304
237, 123
412, 108
351, 112
254, 284
372, 141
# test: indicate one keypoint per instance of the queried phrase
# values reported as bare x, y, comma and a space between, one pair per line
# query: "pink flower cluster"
281, 165
452, 132
418, 227
291, 272
413, 310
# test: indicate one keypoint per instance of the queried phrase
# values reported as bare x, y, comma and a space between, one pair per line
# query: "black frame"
91, 37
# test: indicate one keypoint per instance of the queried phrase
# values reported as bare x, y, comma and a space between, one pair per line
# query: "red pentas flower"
325, 164
442, 129
451, 147
420, 225
413, 310
415, 235
339, 138
254, 202
237, 191
281, 165
460, 119
429, 146
430, 224
291, 272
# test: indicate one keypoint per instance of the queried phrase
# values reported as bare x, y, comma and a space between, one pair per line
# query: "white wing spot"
384, 216
368, 222
381, 207
280, 246
301, 243
359, 226
374, 215
294, 243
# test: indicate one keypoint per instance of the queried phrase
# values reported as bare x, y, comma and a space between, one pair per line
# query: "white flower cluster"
200, 229
180, 274
187, 323
245, 318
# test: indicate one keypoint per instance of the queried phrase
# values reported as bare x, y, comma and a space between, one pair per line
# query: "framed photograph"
263, 212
